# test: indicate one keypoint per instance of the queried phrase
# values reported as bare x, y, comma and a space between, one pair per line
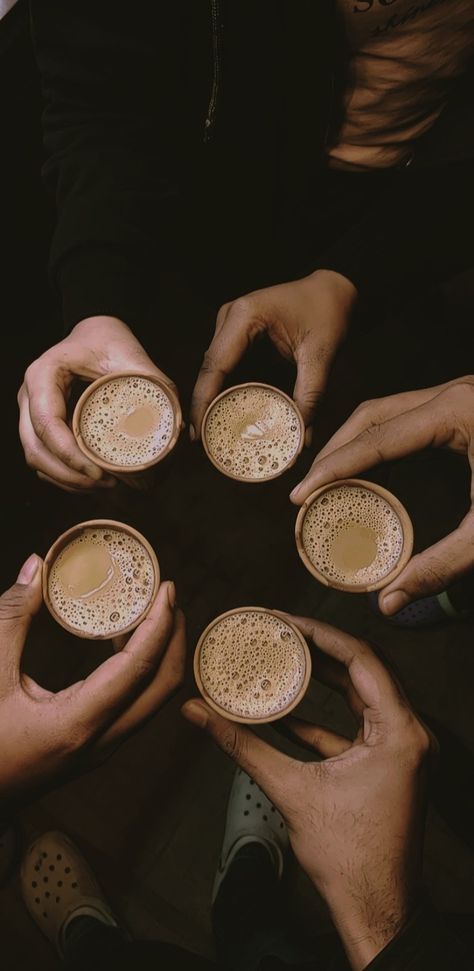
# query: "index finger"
95, 703
373, 413
47, 406
381, 442
227, 347
373, 684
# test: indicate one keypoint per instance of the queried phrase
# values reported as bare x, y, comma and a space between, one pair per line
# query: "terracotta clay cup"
134, 473
257, 656
111, 586
373, 527
260, 442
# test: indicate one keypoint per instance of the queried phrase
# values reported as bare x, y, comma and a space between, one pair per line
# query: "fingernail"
295, 492
195, 713
308, 436
394, 601
192, 433
171, 594
28, 570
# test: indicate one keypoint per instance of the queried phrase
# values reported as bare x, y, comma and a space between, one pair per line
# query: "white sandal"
58, 886
251, 818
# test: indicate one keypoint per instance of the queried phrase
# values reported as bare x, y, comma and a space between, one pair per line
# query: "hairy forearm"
369, 916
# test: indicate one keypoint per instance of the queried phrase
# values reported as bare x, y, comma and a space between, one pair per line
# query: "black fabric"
94, 946
126, 101
12, 25
127, 96
252, 921
426, 944
26, 218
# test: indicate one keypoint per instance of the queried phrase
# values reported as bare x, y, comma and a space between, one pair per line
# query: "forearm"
367, 921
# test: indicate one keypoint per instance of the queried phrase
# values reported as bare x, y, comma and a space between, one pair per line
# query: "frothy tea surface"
127, 421
253, 432
352, 535
101, 582
252, 664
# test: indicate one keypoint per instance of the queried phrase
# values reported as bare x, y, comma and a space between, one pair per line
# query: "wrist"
366, 930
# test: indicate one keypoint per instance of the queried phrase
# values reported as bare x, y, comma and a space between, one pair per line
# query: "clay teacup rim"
224, 711
110, 466
64, 539
393, 502
238, 387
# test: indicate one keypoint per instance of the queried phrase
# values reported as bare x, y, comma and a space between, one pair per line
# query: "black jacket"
146, 101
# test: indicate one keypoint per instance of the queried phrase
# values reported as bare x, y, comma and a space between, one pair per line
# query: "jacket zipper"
210, 121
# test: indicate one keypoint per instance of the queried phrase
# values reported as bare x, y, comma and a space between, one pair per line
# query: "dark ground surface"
150, 820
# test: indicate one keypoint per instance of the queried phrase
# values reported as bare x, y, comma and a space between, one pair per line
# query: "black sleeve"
106, 93
425, 944
418, 230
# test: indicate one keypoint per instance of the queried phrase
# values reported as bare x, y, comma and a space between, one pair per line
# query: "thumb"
313, 363
269, 768
18, 605
433, 571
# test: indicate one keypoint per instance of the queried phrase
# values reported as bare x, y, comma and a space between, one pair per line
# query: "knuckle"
430, 573
317, 737
373, 438
413, 740
142, 669
224, 308
43, 426
310, 397
12, 605
242, 306
460, 395
30, 372
31, 456
232, 744
366, 408
428, 743
64, 453
209, 361
250, 316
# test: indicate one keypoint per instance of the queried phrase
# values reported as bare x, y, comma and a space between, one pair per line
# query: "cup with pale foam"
100, 579
354, 535
127, 422
252, 665
253, 432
